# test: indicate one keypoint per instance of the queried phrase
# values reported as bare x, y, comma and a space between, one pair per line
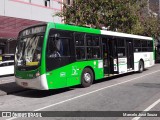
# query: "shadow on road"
41, 93
113, 77
9, 88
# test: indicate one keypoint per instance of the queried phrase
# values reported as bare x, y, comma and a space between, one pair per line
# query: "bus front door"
130, 58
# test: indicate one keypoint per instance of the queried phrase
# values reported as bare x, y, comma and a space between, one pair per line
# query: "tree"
117, 15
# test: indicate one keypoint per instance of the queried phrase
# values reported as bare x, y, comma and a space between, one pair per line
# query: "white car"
7, 67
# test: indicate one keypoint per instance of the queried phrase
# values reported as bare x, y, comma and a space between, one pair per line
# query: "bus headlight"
38, 74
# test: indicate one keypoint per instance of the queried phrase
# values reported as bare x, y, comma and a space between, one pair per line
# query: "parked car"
7, 67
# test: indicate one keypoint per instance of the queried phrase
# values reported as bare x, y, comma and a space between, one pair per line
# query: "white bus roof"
118, 34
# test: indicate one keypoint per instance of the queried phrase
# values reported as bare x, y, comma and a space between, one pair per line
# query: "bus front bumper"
39, 83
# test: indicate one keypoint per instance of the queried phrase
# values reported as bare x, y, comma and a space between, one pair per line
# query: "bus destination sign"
33, 30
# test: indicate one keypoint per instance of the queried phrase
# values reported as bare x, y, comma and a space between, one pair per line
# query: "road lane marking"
148, 108
89, 93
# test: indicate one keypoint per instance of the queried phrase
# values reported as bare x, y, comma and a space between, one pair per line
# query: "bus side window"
58, 45
80, 46
80, 53
59, 51
93, 46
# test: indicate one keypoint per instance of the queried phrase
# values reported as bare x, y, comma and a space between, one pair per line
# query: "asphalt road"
131, 92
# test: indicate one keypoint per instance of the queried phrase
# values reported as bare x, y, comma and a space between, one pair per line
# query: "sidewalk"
9, 87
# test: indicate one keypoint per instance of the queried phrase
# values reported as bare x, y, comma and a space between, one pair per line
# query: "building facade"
18, 14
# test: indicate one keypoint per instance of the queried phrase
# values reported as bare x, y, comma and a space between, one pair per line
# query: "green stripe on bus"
76, 28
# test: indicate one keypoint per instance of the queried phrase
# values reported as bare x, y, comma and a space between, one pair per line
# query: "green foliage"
120, 15
151, 27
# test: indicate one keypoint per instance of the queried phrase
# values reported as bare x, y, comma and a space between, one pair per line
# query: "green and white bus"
52, 56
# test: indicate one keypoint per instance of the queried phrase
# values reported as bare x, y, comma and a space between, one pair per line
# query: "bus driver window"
55, 48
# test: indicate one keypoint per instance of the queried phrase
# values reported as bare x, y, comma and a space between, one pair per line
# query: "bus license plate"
24, 83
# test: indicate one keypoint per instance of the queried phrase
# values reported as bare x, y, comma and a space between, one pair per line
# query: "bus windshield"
28, 51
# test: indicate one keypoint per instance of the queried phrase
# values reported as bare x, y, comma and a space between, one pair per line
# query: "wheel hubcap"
87, 77
141, 68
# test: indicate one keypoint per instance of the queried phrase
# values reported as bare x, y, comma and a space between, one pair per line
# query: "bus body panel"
66, 76
70, 75
122, 65
26, 74
147, 57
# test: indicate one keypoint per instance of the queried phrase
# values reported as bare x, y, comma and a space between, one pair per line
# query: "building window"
47, 3
68, 2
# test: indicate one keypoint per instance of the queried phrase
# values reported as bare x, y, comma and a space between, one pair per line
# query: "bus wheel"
87, 77
141, 66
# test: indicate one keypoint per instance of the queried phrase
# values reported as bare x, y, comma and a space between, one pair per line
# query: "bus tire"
87, 77
141, 66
